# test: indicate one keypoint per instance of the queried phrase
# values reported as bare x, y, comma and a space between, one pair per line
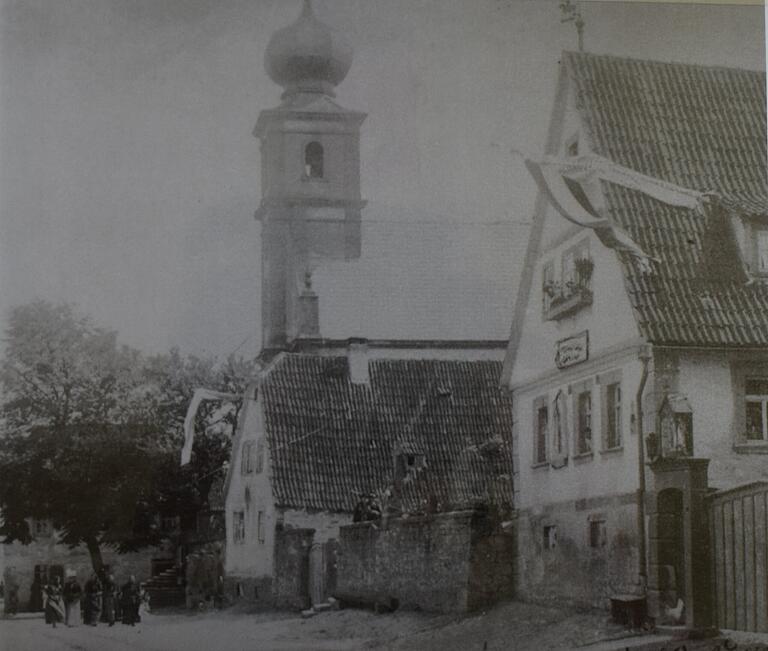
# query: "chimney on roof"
308, 311
357, 357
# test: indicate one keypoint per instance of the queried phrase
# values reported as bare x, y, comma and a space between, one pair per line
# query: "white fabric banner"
561, 181
189, 420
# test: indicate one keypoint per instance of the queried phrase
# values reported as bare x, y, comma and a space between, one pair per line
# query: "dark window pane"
542, 418
585, 421
613, 414
755, 421
313, 160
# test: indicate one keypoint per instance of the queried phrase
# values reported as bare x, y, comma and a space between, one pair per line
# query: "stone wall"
20, 562
574, 570
492, 576
433, 563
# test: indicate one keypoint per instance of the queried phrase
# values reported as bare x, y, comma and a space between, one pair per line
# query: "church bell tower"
310, 176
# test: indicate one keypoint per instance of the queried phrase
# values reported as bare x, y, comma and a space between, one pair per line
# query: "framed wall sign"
572, 350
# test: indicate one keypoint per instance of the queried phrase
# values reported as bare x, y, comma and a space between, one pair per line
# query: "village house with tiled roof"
330, 424
640, 386
422, 426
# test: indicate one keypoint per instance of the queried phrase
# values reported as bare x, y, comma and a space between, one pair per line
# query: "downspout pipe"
644, 355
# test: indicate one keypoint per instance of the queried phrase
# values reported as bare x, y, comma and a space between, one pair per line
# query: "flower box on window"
572, 294
567, 302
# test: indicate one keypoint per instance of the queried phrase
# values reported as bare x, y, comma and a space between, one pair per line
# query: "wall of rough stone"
573, 571
434, 563
20, 561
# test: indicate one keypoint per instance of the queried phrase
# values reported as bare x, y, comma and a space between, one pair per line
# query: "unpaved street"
509, 627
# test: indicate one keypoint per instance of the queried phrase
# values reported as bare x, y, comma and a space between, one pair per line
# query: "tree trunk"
97, 562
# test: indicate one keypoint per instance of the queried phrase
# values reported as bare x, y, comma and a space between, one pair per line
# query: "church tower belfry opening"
310, 175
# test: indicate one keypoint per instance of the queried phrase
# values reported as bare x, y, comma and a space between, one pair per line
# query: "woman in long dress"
92, 603
129, 601
54, 608
108, 597
72, 593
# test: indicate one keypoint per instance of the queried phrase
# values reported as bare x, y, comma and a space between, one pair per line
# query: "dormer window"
408, 464
761, 251
313, 160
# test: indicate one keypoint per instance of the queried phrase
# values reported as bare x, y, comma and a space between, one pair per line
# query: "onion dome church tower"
310, 176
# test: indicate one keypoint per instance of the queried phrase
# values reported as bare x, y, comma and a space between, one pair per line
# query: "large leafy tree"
91, 432
185, 490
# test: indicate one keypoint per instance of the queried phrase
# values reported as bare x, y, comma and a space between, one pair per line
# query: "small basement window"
550, 536
597, 534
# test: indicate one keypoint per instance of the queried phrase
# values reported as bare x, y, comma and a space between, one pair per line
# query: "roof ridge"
657, 62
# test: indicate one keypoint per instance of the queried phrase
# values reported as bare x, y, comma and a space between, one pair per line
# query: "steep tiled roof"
702, 128
331, 440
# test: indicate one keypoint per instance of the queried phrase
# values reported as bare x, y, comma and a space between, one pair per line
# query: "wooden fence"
739, 534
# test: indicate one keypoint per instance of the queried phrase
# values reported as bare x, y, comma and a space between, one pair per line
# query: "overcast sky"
129, 176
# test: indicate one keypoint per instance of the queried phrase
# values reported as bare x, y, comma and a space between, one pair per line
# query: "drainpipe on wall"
645, 356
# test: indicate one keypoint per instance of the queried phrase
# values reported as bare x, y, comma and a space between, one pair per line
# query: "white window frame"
608, 381
579, 390
757, 398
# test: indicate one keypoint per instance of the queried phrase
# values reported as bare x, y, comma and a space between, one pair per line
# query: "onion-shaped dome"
307, 56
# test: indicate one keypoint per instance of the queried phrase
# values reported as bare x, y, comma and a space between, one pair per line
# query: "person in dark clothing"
367, 509
54, 608
130, 598
92, 604
108, 598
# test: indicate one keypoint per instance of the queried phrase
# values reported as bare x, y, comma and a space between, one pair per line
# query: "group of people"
100, 600
367, 509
